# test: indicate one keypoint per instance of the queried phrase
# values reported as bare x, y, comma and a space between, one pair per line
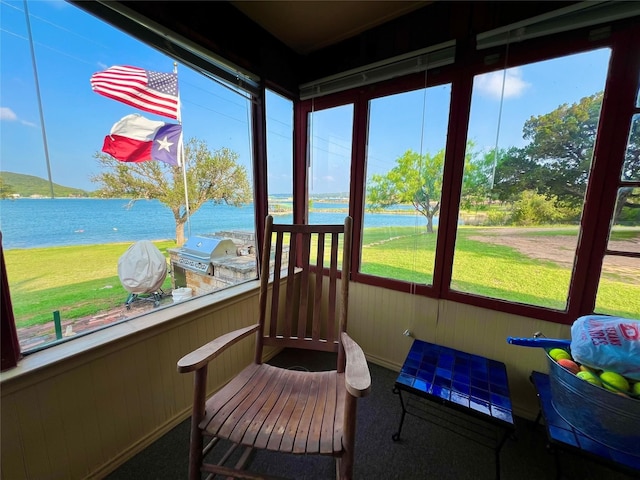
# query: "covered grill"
142, 269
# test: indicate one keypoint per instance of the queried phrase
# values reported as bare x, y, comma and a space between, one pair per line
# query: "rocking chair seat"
277, 409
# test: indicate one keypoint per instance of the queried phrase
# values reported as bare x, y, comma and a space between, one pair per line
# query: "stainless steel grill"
198, 252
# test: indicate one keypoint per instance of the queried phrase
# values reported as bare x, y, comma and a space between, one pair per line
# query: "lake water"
32, 223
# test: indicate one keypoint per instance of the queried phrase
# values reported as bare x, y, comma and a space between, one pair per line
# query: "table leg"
497, 452
396, 436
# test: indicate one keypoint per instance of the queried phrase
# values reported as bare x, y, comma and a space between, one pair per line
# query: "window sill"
121, 334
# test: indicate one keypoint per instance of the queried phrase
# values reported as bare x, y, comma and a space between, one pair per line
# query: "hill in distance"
28, 185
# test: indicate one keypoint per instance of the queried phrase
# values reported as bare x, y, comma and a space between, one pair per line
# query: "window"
405, 161
329, 164
63, 253
280, 156
531, 135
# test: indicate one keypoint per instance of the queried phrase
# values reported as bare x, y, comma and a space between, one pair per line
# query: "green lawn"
494, 270
83, 280
77, 281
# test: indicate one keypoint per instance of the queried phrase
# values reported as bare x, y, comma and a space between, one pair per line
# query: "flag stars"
164, 143
163, 82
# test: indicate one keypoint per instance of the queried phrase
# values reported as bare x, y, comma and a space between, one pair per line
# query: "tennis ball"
558, 353
569, 365
589, 377
636, 388
584, 368
614, 381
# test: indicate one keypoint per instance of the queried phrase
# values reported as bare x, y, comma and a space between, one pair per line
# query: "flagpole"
37, 82
181, 157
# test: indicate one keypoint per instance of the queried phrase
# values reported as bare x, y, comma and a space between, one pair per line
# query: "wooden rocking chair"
272, 408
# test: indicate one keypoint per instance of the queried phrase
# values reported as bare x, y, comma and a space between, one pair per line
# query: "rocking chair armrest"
203, 355
356, 375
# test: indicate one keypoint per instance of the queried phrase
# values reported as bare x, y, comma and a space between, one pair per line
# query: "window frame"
618, 107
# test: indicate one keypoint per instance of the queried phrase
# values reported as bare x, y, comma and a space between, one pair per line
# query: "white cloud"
490, 84
7, 114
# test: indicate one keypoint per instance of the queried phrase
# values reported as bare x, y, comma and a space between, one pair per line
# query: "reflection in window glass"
619, 287
66, 265
329, 164
405, 161
531, 136
631, 168
280, 156
625, 228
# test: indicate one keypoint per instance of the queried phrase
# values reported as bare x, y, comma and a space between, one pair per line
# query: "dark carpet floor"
424, 451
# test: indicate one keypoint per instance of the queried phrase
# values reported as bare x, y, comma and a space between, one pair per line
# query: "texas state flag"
138, 139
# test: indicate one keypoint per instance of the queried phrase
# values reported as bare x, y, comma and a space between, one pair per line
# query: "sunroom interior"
81, 409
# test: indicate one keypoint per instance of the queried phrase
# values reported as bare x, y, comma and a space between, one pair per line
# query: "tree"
562, 144
210, 176
515, 172
478, 176
415, 179
629, 197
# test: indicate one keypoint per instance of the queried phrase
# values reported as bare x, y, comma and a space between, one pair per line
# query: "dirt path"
559, 249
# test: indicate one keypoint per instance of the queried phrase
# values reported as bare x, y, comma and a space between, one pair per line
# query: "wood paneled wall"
83, 417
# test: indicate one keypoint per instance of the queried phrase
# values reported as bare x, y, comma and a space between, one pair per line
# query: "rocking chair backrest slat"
288, 314
317, 301
304, 285
303, 309
277, 268
333, 278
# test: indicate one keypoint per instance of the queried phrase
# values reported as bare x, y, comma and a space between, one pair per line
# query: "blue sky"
70, 45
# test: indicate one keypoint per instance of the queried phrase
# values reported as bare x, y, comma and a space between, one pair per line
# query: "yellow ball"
584, 368
589, 377
558, 353
614, 381
636, 388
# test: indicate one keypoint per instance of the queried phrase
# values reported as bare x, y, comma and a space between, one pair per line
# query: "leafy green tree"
210, 176
416, 179
515, 171
562, 144
628, 197
478, 177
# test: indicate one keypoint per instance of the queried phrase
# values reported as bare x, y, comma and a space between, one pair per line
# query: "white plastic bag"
607, 343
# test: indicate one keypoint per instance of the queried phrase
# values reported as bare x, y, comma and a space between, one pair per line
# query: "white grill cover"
142, 268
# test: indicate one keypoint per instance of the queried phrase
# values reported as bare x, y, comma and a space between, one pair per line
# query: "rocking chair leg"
348, 439
195, 448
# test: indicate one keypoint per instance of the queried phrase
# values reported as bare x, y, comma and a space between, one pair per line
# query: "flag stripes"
153, 92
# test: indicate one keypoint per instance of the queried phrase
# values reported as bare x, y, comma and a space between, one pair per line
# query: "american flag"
154, 92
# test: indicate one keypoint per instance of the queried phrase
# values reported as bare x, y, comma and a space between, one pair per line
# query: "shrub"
535, 209
498, 217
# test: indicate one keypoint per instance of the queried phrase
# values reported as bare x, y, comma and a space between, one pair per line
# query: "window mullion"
452, 182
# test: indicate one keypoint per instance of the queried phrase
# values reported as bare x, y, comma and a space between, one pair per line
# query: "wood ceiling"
308, 26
